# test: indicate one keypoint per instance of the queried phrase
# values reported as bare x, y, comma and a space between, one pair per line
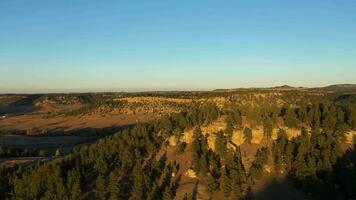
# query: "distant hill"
350, 88
280, 88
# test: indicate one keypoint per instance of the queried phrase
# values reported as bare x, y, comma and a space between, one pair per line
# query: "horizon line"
79, 91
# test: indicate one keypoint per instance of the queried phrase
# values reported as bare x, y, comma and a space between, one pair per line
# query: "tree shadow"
21, 106
175, 184
277, 189
339, 183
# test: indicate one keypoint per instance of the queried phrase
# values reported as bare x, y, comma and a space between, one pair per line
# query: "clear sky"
103, 45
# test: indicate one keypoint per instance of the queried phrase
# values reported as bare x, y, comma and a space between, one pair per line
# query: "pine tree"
302, 115
261, 157
277, 158
290, 118
220, 145
247, 135
195, 152
74, 184
329, 120
236, 187
300, 166
76, 191
155, 192
316, 116
267, 128
41, 153
114, 190
203, 164
138, 190
100, 188
197, 133
225, 183
57, 153
167, 194
212, 184
229, 126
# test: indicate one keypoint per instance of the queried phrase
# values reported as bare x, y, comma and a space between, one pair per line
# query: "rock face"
211, 141
237, 137
267, 168
190, 173
350, 136
173, 140
187, 137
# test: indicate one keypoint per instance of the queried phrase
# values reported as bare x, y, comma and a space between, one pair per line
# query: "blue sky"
84, 45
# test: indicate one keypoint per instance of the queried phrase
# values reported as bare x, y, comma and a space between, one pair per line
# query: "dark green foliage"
212, 184
7, 152
126, 169
225, 182
220, 145
196, 149
290, 118
261, 157
240, 181
167, 194
138, 190
100, 188
247, 135
267, 128
199, 153
229, 126
155, 192
210, 112
282, 155
74, 180
114, 189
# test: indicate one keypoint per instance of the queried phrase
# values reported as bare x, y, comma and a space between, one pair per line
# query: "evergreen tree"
267, 128
41, 153
225, 183
76, 191
229, 126
167, 194
155, 192
316, 116
114, 190
57, 153
100, 188
220, 145
212, 184
203, 164
74, 184
290, 118
300, 165
247, 135
138, 190
195, 153
256, 169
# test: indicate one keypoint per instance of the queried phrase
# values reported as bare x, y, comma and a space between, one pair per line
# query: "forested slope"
125, 165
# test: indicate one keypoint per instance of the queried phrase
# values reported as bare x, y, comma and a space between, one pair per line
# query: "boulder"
190, 173
173, 140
